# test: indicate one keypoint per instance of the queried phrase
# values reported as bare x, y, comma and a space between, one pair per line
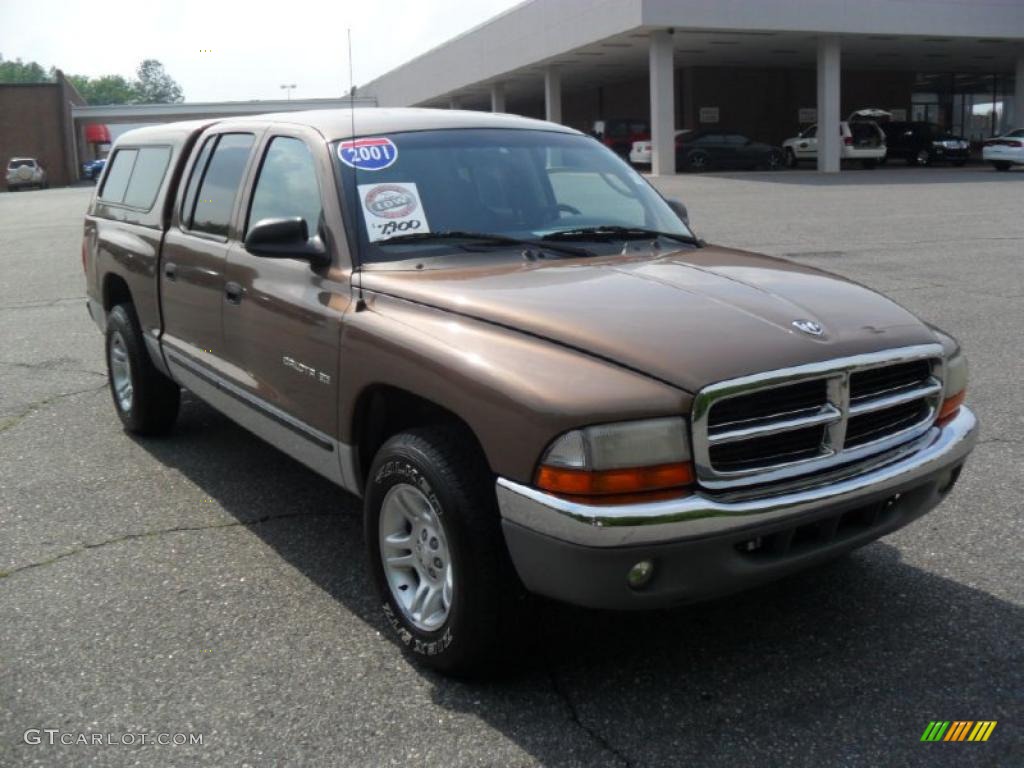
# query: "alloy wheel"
415, 556
121, 372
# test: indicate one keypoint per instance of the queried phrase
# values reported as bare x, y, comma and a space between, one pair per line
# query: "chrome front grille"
781, 424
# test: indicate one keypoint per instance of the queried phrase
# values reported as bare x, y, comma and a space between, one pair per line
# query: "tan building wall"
35, 121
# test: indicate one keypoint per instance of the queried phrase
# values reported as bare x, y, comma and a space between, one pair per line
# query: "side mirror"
679, 209
286, 238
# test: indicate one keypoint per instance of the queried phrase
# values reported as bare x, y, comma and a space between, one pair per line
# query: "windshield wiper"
486, 238
617, 233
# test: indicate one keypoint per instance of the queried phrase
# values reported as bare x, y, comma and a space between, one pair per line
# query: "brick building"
35, 121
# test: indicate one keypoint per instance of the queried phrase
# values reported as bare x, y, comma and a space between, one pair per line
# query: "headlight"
613, 459
956, 375
954, 389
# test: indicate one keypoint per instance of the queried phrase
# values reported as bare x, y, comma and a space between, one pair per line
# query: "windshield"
513, 184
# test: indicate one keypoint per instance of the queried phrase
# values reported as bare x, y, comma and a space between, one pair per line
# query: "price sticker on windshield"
370, 154
392, 209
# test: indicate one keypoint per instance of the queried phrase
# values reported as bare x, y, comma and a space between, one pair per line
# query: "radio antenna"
360, 303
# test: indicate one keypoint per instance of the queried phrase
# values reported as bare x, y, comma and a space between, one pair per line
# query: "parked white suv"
25, 172
862, 140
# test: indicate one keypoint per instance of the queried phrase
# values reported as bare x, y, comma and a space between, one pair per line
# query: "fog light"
640, 574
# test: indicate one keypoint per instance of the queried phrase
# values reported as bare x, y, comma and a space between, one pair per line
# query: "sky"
236, 51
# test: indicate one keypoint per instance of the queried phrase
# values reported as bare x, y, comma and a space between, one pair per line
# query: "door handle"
233, 292
171, 271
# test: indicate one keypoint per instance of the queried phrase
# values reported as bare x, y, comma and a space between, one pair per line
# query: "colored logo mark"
959, 730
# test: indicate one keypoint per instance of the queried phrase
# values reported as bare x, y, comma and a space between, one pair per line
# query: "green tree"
107, 89
18, 71
155, 86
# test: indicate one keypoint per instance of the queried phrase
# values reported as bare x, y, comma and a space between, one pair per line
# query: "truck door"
282, 315
195, 250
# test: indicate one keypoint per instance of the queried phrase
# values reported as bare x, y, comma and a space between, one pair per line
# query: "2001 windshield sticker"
371, 154
392, 209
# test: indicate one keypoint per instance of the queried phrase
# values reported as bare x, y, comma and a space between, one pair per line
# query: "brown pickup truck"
519, 355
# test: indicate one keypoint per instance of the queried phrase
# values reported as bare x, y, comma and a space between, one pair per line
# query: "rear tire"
959, 163
774, 161
432, 528
146, 401
922, 159
868, 165
698, 161
1001, 165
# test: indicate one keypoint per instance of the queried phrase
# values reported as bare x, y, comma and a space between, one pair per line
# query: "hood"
689, 318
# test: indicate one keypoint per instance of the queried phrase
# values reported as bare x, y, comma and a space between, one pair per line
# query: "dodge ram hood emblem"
809, 327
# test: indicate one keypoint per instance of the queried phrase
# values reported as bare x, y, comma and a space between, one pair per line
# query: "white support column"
454, 102
497, 97
552, 95
662, 72
1018, 100
829, 69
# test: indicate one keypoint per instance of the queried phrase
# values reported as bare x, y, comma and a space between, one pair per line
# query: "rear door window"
147, 175
116, 183
218, 188
196, 175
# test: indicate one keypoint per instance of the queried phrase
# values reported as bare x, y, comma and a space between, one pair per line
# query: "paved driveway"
207, 584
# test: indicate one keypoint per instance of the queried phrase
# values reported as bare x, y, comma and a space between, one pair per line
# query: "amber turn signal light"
950, 406
581, 482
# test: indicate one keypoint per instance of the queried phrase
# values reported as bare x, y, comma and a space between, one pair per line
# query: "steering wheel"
566, 208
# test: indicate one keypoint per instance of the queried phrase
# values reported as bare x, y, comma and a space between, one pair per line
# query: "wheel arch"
115, 291
384, 410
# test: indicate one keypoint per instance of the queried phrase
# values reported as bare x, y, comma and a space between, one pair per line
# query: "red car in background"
620, 133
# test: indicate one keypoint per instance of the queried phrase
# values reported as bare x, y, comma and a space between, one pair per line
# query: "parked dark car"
723, 149
91, 169
619, 134
925, 143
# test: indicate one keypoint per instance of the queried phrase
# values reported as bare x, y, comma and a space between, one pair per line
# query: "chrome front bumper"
702, 547
700, 515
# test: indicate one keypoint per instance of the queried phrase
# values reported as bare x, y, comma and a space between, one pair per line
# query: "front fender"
515, 391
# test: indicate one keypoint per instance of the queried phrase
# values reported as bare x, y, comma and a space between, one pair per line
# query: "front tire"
868, 165
1001, 165
791, 161
774, 160
146, 401
435, 550
922, 159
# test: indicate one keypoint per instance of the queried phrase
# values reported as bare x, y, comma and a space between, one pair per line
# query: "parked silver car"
23, 172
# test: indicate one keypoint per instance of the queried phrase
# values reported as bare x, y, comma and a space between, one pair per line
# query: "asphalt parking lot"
207, 584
